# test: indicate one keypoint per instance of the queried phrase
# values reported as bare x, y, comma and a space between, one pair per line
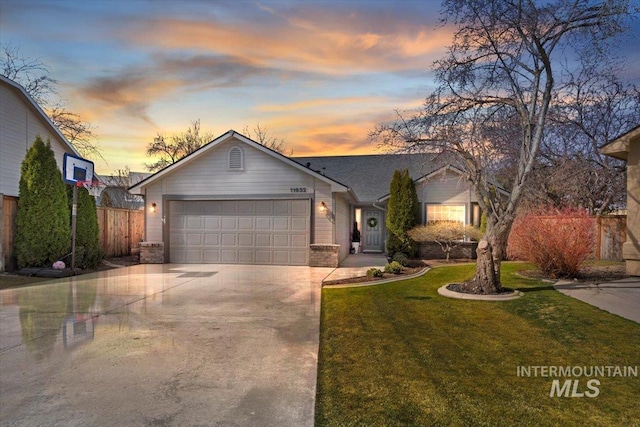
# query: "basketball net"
93, 187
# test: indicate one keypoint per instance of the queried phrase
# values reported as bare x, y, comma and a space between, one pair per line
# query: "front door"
373, 237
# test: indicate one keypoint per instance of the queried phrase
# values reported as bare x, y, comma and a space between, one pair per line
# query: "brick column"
323, 255
151, 253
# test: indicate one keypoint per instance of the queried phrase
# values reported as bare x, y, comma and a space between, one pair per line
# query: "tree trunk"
487, 277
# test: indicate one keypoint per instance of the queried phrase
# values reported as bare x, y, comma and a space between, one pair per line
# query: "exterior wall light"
323, 207
153, 207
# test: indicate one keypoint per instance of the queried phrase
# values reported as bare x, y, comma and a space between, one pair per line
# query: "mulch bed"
407, 271
590, 274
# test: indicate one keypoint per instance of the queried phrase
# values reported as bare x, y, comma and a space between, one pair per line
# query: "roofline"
335, 185
17, 86
619, 147
448, 167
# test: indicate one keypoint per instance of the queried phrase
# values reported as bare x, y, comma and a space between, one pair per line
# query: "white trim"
138, 188
437, 172
40, 111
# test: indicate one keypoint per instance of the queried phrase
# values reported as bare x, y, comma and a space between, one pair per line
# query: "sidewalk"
621, 297
356, 265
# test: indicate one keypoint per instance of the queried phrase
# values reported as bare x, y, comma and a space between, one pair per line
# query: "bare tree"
116, 193
501, 66
448, 234
260, 135
34, 76
594, 107
169, 150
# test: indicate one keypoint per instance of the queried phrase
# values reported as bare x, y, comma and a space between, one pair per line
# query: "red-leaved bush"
556, 243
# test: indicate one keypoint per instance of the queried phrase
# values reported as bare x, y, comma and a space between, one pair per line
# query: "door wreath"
372, 222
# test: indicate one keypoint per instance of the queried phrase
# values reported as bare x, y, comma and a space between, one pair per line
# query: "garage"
240, 231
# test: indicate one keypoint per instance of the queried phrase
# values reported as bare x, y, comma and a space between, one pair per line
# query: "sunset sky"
318, 74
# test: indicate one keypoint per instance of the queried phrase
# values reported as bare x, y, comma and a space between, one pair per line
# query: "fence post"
598, 237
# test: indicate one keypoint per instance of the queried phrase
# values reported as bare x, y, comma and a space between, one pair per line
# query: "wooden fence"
8, 212
611, 233
120, 230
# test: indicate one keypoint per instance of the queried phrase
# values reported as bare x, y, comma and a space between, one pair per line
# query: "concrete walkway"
170, 345
356, 265
621, 297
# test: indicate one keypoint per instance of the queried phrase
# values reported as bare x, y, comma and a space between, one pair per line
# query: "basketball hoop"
94, 187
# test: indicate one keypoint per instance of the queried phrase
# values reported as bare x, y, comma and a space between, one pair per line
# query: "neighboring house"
235, 201
115, 192
627, 147
21, 121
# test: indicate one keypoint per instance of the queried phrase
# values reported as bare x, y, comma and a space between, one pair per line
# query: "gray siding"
263, 176
19, 127
447, 189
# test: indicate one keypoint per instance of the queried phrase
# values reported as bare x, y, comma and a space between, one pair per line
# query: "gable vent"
236, 161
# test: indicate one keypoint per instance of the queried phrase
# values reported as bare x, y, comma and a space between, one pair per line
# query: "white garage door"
240, 232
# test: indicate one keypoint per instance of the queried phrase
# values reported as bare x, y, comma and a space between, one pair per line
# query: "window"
437, 213
236, 159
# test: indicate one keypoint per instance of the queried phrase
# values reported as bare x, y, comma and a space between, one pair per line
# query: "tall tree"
501, 65
43, 233
403, 212
87, 228
35, 77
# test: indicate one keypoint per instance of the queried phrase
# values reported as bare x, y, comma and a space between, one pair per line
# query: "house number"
298, 189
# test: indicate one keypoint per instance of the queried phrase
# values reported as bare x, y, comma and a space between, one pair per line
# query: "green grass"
400, 354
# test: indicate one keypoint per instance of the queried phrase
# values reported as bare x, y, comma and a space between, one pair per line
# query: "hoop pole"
74, 214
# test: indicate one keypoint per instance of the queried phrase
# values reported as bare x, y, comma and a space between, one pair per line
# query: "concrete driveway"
621, 297
208, 345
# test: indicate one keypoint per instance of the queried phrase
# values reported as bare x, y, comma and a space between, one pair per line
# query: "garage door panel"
281, 240
263, 223
281, 257
299, 224
229, 239
249, 231
211, 223
229, 207
245, 223
281, 224
245, 239
193, 256
194, 223
246, 207
264, 207
229, 256
299, 258
263, 257
263, 240
281, 207
299, 241
212, 239
246, 256
211, 256
300, 207
194, 239
228, 223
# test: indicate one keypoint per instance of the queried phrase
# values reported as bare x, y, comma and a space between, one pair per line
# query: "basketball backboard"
76, 169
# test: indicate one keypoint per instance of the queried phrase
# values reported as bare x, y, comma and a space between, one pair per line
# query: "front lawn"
400, 354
